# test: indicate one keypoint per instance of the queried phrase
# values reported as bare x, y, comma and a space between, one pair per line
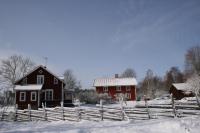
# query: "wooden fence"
64, 113
176, 108
139, 112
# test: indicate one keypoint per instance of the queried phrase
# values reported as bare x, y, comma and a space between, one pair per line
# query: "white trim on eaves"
36, 69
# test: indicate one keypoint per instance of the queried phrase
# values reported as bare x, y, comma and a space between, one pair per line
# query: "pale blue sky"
97, 38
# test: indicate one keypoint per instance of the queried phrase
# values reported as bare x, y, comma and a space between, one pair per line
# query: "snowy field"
186, 125
164, 125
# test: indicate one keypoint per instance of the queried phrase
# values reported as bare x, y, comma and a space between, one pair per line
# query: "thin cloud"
143, 29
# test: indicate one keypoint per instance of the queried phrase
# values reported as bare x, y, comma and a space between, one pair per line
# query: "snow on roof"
61, 77
45, 68
181, 86
114, 82
28, 87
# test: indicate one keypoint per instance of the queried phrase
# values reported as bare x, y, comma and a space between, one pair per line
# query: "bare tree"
157, 90
194, 85
192, 60
13, 68
149, 82
70, 80
174, 75
151, 85
128, 73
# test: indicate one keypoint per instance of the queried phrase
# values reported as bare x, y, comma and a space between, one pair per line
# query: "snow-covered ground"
186, 125
164, 125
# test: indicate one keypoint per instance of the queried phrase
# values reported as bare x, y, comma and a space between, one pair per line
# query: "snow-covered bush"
105, 97
194, 83
88, 96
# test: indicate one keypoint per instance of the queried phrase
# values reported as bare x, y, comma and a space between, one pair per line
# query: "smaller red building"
181, 90
117, 86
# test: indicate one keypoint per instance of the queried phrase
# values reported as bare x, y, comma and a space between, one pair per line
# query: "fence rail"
139, 112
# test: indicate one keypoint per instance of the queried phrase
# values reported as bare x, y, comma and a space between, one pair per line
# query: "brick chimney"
116, 75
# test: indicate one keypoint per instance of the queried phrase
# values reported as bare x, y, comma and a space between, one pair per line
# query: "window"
105, 89
22, 96
128, 95
49, 94
128, 88
40, 79
118, 88
55, 80
40, 71
33, 96
24, 81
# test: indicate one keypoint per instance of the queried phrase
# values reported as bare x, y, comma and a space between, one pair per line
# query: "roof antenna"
46, 60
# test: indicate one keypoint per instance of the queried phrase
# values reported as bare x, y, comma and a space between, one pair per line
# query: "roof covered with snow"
45, 68
181, 86
61, 77
114, 82
28, 87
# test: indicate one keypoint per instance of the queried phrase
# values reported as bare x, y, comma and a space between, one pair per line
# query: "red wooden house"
117, 86
40, 86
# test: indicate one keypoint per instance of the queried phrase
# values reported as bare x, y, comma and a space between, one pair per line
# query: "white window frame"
35, 93
46, 94
55, 81
39, 77
20, 96
105, 89
118, 88
128, 88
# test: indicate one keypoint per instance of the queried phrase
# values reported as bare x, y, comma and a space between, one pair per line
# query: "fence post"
101, 109
62, 108
147, 108
173, 106
79, 110
78, 113
122, 107
16, 109
44, 111
2, 115
29, 112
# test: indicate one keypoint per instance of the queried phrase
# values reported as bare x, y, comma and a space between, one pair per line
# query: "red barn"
181, 90
116, 86
40, 86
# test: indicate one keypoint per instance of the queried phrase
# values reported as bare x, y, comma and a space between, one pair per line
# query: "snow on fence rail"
139, 112
64, 113
176, 108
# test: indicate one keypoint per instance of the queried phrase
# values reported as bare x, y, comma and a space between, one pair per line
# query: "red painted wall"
112, 91
179, 94
24, 104
48, 84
